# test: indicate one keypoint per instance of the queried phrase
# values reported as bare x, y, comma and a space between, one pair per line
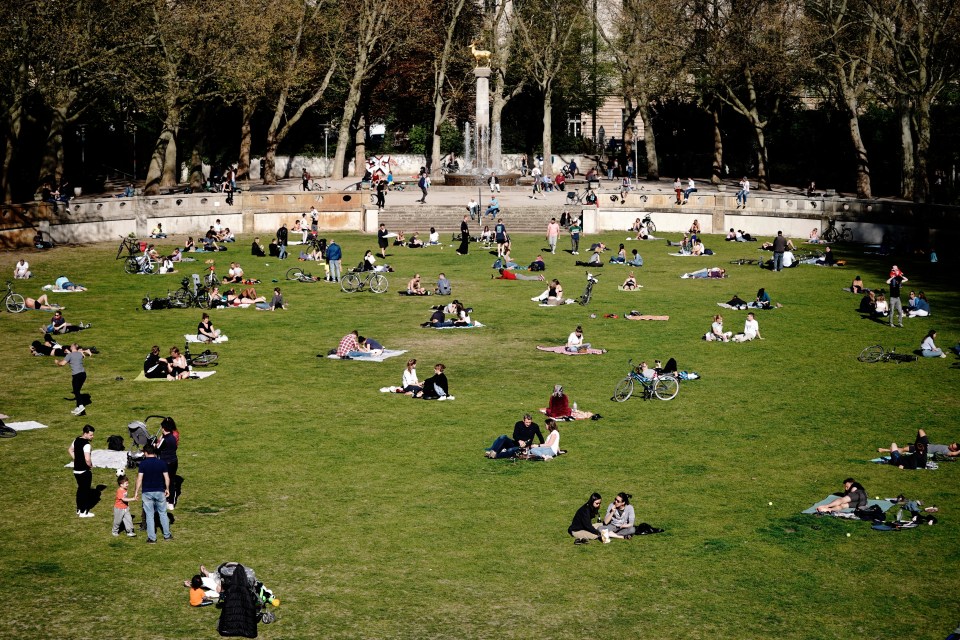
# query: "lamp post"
82, 132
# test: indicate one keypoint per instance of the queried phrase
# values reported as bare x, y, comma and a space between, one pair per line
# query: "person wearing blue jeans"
743, 193
333, 256
691, 188
524, 432
928, 347
153, 481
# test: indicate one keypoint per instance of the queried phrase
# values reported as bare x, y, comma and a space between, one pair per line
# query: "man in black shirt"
896, 281
80, 450
779, 246
523, 434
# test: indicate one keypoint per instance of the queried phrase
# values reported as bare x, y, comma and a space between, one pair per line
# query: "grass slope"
376, 516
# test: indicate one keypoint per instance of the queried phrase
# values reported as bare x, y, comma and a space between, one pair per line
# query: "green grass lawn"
376, 516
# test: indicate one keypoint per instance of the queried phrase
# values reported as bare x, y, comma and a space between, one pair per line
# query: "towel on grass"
686, 255
884, 504
565, 301
106, 459
620, 287
52, 289
563, 350
26, 426
576, 414
640, 316
193, 374
472, 325
193, 337
387, 353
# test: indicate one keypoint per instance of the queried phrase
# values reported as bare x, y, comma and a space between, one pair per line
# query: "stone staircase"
447, 218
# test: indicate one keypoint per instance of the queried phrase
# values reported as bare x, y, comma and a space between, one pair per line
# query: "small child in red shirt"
121, 510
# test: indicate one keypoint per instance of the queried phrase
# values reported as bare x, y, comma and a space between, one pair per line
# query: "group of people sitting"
619, 521
621, 257
245, 297
353, 345
521, 444
459, 316
415, 286
173, 367
751, 330
436, 387
739, 236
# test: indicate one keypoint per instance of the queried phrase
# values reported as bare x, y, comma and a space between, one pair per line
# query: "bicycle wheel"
131, 265
651, 228
150, 267
205, 359
378, 283
181, 299
294, 273
15, 303
830, 235
871, 354
666, 388
210, 280
350, 283
623, 390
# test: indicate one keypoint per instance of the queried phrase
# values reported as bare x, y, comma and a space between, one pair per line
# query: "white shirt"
745, 185
21, 269
928, 345
690, 184
751, 328
435, 237
410, 377
574, 340
553, 441
787, 258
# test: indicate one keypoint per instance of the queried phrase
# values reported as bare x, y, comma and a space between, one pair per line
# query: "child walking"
121, 508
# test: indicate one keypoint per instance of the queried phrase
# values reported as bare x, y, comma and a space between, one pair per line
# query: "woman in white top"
22, 270
434, 236
620, 518
550, 448
575, 341
929, 348
411, 385
716, 332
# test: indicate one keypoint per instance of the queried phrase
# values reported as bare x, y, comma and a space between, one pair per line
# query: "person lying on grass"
41, 304
524, 431
247, 296
507, 274
50, 347
713, 272
630, 283
913, 458
951, 450
854, 497
63, 282
437, 319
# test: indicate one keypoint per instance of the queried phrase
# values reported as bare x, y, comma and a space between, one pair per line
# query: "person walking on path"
779, 246
74, 358
80, 451
424, 185
382, 240
553, 231
464, 237
896, 281
153, 480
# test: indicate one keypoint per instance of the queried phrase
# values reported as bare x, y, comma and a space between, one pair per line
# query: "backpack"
115, 443
873, 513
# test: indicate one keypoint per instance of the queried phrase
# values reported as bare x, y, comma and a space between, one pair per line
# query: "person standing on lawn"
553, 232
896, 281
464, 237
153, 480
74, 358
80, 451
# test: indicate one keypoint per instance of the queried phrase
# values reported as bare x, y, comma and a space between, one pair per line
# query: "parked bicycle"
832, 234
192, 293
663, 387
297, 274
312, 185
135, 260
876, 353
588, 197
354, 281
13, 302
588, 292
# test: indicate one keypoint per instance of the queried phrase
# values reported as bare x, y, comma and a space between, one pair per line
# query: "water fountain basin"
479, 180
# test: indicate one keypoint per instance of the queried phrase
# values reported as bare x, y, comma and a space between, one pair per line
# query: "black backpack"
115, 443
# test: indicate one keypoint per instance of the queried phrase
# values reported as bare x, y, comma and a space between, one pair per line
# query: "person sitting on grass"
635, 259
558, 406
880, 308
582, 528
827, 259
538, 264
928, 347
368, 347
751, 330
257, 250
414, 288
347, 344
443, 287
437, 320
40, 304
551, 448
436, 386
205, 588
697, 248
919, 307
205, 329
410, 384
621, 257
177, 367
21, 270
462, 316
575, 343
630, 283
553, 295
620, 518
59, 325
595, 261
857, 285
154, 366
524, 431
415, 241
276, 302
762, 301
434, 237
716, 333
507, 274
854, 497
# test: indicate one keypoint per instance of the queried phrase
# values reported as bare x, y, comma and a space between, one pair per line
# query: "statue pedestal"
482, 130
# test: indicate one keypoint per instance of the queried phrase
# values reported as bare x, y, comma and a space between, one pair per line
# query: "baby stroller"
139, 438
243, 601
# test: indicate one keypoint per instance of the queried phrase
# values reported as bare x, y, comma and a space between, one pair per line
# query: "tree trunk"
906, 149
763, 180
435, 139
346, 119
270, 159
649, 139
243, 163
921, 179
716, 170
14, 122
547, 131
360, 147
52, 163
863, 161
163, 161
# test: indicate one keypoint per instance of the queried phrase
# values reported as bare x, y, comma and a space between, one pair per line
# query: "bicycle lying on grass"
876, 353
205, 359
353, 282
13, 302
297, 274
663, 387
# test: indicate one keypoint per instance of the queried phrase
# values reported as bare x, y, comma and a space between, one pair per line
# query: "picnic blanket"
52, 289
620, 287
563, 350
885, 505
472, 325
26, 426
576, 414
565, 301
106, 459
930, 466
687, 255
641, 316
193, 374
193, 337
387, 353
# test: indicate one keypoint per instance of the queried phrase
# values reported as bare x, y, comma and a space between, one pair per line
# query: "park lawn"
373, 515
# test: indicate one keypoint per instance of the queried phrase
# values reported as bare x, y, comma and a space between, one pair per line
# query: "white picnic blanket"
106, 459
52, 289
193, 337
26, 426
686, 255
387, 353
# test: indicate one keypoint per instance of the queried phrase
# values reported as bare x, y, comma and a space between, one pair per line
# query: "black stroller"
139, 438
243, 601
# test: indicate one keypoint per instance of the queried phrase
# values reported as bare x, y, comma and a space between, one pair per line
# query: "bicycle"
13, 302
876, 353
588, 292
743, 261
588, 197
312, 185
190, 294
353, 282
832, 234
663, 387
206, 359
134, 262
297, 274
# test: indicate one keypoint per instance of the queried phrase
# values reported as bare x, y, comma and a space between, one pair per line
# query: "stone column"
482, 131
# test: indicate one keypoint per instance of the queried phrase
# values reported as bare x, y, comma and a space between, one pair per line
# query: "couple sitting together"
433, 388
524, 432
